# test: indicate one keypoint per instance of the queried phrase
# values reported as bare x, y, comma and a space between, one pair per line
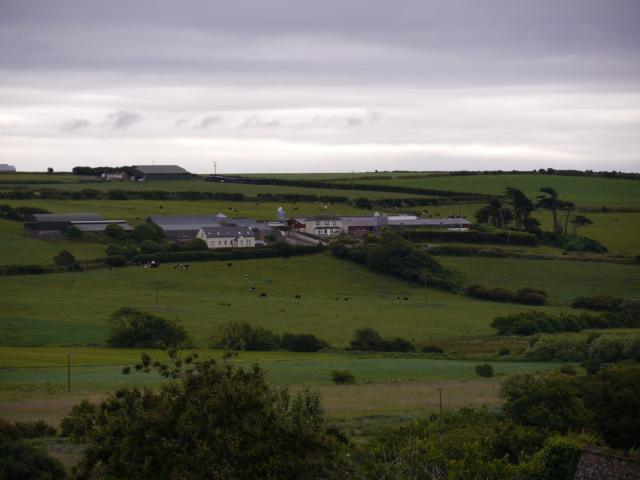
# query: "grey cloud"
122, 120
254, 121
75, 125
209, 121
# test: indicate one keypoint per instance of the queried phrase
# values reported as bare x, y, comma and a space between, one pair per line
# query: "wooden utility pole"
440, 392
69, 372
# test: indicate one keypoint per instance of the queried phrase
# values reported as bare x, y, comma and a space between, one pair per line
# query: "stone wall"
601, 464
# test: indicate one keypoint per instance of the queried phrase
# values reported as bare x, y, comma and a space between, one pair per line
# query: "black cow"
263, 295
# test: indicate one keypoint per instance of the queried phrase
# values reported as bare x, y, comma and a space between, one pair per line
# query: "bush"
80, 421
509, 237
577, 243
215, 420
113, 230
342, 377
237, 335
432, 349
35, 429
20, 461
123, 250
484, 370
528, 296
117, 261
65, 259
149, 246
196, 244
598, 302
147, 231
504, 351
22, 270
132, 328
301, 342
367, 339
73, 233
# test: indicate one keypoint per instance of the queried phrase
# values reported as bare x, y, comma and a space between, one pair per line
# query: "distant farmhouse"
219, 231
328, 225
56, 224
4, 168
148, 173
228, 237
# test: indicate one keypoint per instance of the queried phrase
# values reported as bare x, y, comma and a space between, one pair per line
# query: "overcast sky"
331, 85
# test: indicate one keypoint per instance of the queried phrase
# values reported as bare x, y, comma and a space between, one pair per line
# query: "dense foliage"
66, 259
19, 213
367, 339
239, 335
528, 296
627, 315
133, 328
213, 420
598, 302
302, 342
594, 349
21, 461
392, 254
507, 237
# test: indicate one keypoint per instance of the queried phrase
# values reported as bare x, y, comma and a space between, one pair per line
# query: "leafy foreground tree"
20, 461
213, 420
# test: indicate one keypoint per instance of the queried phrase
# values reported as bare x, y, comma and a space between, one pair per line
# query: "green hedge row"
239, 254
506, 237
529, 323
528, 296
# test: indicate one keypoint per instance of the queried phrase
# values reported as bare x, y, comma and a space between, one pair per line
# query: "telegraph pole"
69, 372
440, 392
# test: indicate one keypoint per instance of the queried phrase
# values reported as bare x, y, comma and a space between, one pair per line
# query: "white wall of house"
324, 227
227, 242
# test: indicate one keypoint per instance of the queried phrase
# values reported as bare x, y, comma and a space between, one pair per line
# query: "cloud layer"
286, 85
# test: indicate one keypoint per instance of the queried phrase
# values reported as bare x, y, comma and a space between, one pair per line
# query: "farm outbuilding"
56, 224
183, 228
5, 168
147, 173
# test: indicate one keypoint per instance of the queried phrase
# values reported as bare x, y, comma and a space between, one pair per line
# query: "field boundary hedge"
505, 237
217, 255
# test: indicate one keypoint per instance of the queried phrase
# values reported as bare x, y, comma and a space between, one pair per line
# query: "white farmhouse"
227, 237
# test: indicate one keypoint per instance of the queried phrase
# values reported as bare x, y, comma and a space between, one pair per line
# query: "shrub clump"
132, 328
342, 377
302, 342
367, 339
484, 370
598, 302
236, 335
528, 296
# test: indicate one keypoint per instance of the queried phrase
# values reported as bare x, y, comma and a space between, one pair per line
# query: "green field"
71, 307
563, 281
584, 191
33, 381
18, 249
202, 186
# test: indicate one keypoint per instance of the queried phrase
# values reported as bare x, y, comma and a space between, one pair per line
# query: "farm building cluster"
220, 231
148, 173
358, 225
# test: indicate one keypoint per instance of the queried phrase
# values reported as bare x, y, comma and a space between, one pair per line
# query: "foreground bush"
133, 328
214, 420
80, 421
20, 461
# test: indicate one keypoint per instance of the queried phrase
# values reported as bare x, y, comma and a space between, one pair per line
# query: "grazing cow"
252, 289
397, 299
229, 265
405, 299
244, 276
346, 299
263, 295
297, 297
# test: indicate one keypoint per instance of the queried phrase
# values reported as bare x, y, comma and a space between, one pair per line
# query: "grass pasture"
563, 281
71, 307
583, 191
34, 380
